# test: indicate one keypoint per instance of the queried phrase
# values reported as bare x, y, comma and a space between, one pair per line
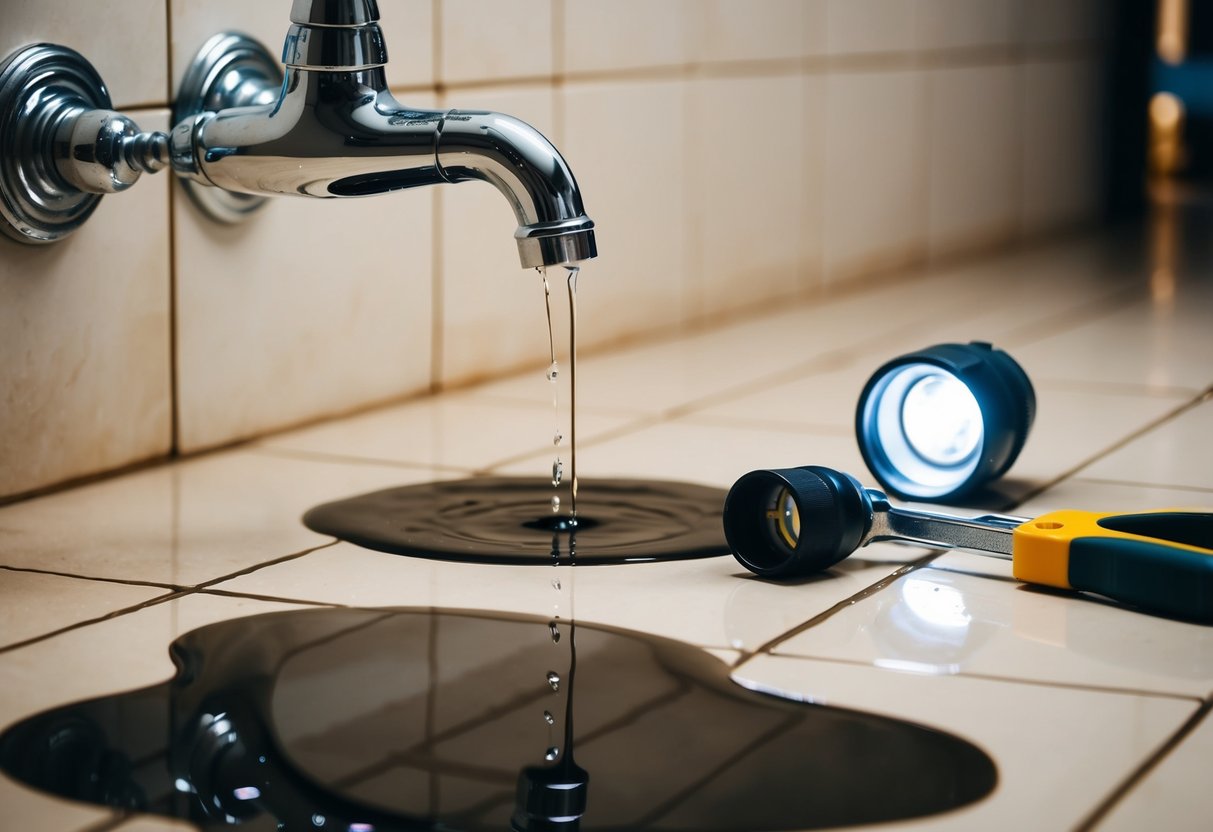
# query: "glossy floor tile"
186, 524
1036, 733
464, 432
1174, 790
944, 622
1074, 698
34, 604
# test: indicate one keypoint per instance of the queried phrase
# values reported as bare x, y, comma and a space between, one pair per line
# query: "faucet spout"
335, 131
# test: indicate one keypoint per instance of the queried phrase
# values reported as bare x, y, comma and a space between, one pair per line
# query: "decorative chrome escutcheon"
61, 146
230, 70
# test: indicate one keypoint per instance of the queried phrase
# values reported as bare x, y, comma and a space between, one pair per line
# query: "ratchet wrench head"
786, 522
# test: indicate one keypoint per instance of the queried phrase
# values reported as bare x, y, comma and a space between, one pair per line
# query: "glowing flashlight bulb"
941, 419
937, 423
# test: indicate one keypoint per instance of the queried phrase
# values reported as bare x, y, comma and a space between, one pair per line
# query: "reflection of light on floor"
1164, 243
1166, 251
938, 605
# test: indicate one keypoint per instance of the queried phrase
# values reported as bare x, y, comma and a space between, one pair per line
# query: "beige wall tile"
947, 24
124, 40
84, 328
745, 185
740, 30
485, 40
875, 172
311, 308
1062, 150
812, 191
492, 316
856, 26
626, 143
625, 34
407, 29
974, 156
1060, 21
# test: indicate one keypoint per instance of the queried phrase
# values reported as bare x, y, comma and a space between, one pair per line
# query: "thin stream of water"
573, 272
553, 374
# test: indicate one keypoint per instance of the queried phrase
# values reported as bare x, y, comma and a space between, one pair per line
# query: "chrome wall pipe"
330, 128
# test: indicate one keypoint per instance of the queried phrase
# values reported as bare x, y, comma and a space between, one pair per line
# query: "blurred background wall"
735, 154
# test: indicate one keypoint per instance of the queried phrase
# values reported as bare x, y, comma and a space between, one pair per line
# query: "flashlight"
938, 423
765, 512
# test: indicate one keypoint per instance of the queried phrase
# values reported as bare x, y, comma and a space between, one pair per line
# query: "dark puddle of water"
507, 520
361, 720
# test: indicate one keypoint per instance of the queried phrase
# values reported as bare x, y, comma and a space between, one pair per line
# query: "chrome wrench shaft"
988, 534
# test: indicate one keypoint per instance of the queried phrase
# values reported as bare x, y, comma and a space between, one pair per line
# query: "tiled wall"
732, 153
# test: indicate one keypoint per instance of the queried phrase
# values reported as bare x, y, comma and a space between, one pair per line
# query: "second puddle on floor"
376, 720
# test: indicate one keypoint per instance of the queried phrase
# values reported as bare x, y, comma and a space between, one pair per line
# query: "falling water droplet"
548, 718
555, 504
556, 584
553, 372
557, 439
555, 632
552, 754
557, 472
553, 680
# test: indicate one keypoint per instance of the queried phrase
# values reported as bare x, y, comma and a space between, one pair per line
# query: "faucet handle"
334, 12
103, 152
61, 146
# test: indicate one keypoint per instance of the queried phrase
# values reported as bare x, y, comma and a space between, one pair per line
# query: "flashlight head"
938, 423
781, 523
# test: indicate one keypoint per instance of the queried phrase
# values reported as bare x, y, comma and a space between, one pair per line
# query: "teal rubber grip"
1151, 575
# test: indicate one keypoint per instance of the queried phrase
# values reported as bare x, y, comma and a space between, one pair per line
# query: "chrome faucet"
329, 128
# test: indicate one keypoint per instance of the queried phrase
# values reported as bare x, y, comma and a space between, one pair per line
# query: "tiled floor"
1094, 714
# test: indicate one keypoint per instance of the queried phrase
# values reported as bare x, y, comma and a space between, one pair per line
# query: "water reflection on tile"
947, 620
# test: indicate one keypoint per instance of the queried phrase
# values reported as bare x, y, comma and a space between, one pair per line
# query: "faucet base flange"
230, 70
41, 87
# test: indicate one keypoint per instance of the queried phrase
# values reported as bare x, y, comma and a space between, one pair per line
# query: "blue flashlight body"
938, 423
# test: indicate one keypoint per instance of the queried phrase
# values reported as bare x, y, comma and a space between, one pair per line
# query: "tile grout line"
1149, 427
991, 677
79, 625
174, 379
99, 578
1195, 489
1122, 789
847, 602
168, 596
353, 459
256, 567
255, 596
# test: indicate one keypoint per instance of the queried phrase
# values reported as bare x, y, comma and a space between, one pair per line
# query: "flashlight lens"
941, 419
785, 518
937, 423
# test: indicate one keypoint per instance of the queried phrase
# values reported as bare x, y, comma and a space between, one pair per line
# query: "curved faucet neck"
335, 130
